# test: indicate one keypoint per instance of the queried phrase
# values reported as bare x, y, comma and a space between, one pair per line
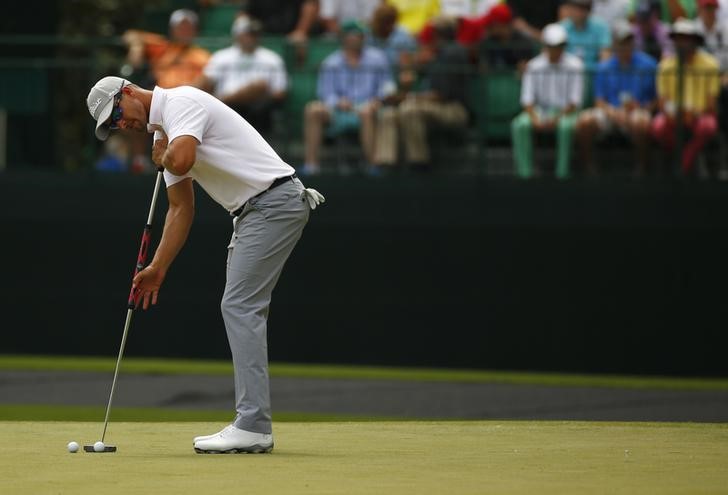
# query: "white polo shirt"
553, 87
234, 162
231, 69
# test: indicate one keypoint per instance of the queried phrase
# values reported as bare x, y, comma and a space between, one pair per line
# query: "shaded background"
458, 268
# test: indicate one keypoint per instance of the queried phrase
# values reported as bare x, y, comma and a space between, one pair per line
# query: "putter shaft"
129, 314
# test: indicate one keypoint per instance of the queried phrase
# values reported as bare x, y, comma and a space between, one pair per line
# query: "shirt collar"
159, 98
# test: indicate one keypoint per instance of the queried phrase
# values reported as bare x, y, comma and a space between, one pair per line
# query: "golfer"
199, 138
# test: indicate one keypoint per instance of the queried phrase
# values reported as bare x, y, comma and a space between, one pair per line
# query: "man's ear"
128, 90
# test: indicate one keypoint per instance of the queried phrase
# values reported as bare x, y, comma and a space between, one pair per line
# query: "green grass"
34, 412
389, 458
182, 366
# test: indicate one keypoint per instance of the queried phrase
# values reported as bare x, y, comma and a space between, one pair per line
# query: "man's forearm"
176, 229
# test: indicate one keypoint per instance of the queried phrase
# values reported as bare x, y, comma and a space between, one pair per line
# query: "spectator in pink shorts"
701, 86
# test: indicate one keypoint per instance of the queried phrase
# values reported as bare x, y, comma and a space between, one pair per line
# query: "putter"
132, 303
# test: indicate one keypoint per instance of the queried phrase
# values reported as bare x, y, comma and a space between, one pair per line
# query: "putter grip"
141, 261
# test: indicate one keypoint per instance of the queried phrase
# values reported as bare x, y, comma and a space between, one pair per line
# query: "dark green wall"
603, 277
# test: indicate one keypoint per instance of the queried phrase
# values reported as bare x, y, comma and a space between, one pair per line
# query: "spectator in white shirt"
247, 77
551, 93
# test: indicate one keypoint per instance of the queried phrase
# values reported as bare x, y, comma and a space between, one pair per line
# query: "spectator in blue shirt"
625, 96
588, 37
388, 36
352, 82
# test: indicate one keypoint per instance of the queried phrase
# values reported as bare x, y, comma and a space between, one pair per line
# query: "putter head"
107, 448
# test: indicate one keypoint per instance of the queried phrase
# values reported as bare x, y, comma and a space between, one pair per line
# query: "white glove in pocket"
313, 197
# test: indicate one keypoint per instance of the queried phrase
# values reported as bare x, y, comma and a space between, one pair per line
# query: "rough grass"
393, 458
180, 366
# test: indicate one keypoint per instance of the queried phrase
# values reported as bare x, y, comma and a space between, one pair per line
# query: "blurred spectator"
671, 10
530, 16
153, 60
610, 11
172, 62
714, 31
440, 104
414, 14
352, 81
334, 13
503, 47
115, 157
588, 37
652, 36
625, 96
295, 18
247, 77
551, 93
388, 36
700, 88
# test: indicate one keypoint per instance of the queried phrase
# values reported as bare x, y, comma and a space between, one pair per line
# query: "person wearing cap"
199, 138
503, 47
352, 82
651, 35
175, 61
551, 93
697, 106
153, 60
625, 96
247, 77
588, 37
715, 33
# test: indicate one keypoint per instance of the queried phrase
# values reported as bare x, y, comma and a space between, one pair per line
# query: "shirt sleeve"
326, 89
600, 83
214, 69
605, 37
385, 83
528, 94
576, 89
185, 117
279, 78
170, 179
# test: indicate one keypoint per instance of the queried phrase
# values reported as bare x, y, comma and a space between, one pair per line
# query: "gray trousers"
264, 235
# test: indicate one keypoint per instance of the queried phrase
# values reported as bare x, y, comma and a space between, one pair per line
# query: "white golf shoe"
205, 437
233, 440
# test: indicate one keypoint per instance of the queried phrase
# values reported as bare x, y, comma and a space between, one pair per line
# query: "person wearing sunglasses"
199, 138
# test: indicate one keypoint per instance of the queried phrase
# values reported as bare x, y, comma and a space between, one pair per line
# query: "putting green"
393, 458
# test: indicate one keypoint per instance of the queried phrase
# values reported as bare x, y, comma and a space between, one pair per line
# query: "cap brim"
102, 127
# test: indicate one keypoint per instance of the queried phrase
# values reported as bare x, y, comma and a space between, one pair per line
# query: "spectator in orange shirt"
171, 62
153, 60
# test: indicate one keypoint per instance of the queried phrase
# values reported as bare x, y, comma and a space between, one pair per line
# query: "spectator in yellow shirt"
700, 89
414, 14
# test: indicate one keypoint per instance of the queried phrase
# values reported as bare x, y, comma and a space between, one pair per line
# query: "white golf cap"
100, 102
554, 35
180, 15
245, 24
686, 27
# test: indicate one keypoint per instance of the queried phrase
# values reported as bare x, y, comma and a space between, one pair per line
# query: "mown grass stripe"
33, 412
319, 371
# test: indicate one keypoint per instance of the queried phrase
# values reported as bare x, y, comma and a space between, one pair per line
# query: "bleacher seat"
217, 20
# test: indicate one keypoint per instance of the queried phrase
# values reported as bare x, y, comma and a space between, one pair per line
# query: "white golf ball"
99, 446
72, 447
